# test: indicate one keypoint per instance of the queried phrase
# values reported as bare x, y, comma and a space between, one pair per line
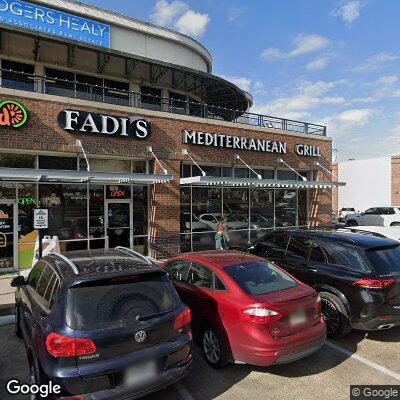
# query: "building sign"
3, 240
37, 18
40, 218
12, 114
232, 142
84, 122
307, 150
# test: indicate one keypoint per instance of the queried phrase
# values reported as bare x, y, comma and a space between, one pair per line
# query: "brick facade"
42, 133
396, 180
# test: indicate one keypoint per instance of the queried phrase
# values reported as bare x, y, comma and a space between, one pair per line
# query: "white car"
376, 216
391, 232
234, 222
345, 211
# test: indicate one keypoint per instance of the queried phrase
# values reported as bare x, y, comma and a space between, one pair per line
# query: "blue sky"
322, 61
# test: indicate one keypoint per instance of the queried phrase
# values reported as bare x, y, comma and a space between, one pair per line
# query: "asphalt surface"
360, 358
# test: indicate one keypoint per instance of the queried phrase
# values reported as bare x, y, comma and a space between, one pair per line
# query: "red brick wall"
42, 133
335, 192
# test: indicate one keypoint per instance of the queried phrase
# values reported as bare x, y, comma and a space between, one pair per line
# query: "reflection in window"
17, 75
17, 160
285, 207
261, 208
185, 210
140, 217
61, 163
302, 208
207, 201
26, 205
67, 205
96, 212
287, 175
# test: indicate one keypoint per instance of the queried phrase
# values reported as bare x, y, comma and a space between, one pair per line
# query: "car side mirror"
18, 281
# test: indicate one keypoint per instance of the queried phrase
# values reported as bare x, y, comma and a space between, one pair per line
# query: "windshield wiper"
151, 316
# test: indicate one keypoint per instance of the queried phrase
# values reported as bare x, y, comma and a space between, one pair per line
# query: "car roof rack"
67, 260
133, 253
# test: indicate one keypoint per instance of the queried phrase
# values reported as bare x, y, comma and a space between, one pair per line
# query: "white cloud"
177, 14
302, 44
299, 101
318, 64
192, 23
234, 12
349, 12
349, 120
377, 61
387, 80
164, 13
240, 81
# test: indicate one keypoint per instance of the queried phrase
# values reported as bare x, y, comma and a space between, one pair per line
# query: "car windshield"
119, 302
385, 260
257, 278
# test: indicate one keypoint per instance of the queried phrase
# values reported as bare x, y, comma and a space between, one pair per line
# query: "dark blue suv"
102, 325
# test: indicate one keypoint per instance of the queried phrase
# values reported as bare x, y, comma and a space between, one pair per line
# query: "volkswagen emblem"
140, 336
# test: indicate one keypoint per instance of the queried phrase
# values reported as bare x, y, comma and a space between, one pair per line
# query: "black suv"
102, 324
357, 276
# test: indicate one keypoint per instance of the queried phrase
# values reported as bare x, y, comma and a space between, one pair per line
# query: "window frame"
192, 263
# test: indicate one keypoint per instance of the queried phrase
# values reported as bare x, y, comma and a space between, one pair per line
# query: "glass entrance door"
118, 213
8, 248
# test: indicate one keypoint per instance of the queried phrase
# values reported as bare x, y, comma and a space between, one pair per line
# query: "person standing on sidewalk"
221, 236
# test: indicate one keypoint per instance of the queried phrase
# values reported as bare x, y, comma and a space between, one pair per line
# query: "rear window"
119, 302
257, 278
385, 261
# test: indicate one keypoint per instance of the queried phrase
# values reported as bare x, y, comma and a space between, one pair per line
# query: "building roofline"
114, 18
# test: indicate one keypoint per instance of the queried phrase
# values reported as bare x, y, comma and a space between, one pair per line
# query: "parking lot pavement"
357, 359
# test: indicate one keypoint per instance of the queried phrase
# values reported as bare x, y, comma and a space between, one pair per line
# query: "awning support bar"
80, 145
186, 153
303, 178
327, 170
248, 166
150, 150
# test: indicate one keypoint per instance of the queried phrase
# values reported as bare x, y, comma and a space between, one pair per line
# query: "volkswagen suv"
102, 325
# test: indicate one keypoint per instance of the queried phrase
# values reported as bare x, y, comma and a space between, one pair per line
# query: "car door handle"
312, 269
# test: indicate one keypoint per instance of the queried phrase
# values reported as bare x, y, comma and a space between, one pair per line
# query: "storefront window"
185, 210
206, 206
211, 170
139, 166
61, 163
186, 171
8, 160
115, 192
26, 204
140, 217
287, 175
7, 190
261, 209
285, 207
108, 165
67, 206
96, 216
302, 208
241, 172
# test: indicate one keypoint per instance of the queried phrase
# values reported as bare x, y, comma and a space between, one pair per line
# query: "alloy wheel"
211, 347
331, 316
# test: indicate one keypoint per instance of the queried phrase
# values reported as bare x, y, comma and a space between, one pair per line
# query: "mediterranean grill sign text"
85, 122
243, 143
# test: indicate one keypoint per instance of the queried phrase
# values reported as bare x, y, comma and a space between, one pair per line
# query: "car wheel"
214, 348
352, 222
335, 315
18, 331
36, 378
395, 224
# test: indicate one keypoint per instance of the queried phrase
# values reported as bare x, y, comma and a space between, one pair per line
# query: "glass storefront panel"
73, 245
108, 165
236, 208
140, 244
302, 207
59, 163
7, 190
185, 210
203, 241
257, 234
8, 160
96, 213
115, 192
140, 216
238, 238
287, 175
67, 205
285, 207
6, 234
207, 206
186, 246
261, 208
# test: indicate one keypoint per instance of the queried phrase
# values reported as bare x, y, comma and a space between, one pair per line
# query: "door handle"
312, 269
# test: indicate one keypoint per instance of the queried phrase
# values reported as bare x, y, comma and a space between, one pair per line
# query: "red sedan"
246, 310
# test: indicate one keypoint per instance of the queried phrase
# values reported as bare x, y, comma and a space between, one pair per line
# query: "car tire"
395, 224
18, 331
214, 348
335, 315
352, 222
36, 377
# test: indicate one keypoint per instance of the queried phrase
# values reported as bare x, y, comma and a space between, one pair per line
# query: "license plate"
298, 318
140, 373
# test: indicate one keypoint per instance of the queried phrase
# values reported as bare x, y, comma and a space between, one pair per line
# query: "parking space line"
364, 360
183, 392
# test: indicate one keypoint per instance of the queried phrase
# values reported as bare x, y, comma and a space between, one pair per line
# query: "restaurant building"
120, 130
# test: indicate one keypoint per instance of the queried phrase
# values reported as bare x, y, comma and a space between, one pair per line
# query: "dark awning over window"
50, 175
260, 183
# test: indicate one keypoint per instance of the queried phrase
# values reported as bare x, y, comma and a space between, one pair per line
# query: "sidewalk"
6, 296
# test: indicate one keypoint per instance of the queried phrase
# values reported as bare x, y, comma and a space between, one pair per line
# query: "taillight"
63, 346
260, 314
374, 283
183, 319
